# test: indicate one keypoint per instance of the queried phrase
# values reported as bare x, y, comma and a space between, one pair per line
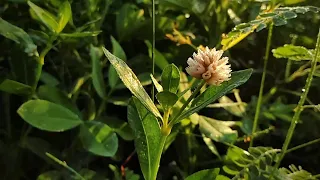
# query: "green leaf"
166, 99
156, 84
159, 59
278, 16
212, 93
147, 134
96, 73
19, 36
48, 116
45, 17
219, 131
55, 95
131, 81
204, 174
295, 53
50, 175
14, 87
119, 52
80, 34
65, 14
129, 19
98, 138
48, 79
170, 78
119, 126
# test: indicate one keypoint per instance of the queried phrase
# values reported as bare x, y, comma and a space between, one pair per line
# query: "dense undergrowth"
66, 111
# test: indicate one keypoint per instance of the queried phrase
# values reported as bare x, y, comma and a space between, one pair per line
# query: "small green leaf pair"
56, 25
96, 137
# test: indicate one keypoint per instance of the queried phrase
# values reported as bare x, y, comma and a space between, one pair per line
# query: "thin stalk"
41, 61
153, 43
289, 62
193, 95
288, 70
303, 145
266, 58
299, 108
64, 164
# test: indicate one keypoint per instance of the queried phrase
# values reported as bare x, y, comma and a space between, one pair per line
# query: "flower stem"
153, 44
299, 108
258, 108
41, 61
193, 95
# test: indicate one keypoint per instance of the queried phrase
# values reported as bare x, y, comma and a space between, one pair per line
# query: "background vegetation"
77, 76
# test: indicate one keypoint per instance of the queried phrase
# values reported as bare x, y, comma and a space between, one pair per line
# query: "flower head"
209, 65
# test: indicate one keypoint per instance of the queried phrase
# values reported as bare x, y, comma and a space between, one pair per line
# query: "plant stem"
201, 84
153, 44
288, 70
258, 108
41, 61
64, 164
303, 145
299, 108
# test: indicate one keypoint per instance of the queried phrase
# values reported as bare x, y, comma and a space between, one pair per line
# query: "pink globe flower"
207, 65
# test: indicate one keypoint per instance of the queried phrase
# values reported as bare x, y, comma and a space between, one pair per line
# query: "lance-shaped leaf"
131, 81
65, 15
159, 59
97, 76
19, 36
119, 52
219, 131
147, 134
45, 17
212, 93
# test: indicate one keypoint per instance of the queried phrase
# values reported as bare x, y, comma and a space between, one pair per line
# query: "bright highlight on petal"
209, 65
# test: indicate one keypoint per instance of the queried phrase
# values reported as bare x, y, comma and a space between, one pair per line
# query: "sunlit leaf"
45, 17
131, 81
156, 84
292, 52
65, 15
219, 131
